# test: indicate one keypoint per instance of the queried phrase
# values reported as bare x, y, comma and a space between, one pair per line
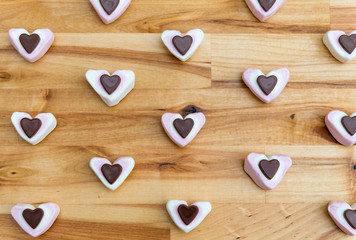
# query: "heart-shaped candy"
187, 217
112, 175
35, 221
110, 10
340, 45
264, 9
267, 172
342, 127
111, 88
266, 88
344, 216
31, 47
181, 45
182, 131
36, 129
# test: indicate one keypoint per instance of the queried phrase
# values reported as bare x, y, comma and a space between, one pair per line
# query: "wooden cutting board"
211, 167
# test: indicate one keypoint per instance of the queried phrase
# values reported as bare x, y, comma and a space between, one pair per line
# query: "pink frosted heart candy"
112, 175
111, 88
266, 88
187, 217
267, 172
182, 46
182, 131
110, 10
35, 221
342, 127
340, 45
344, 216
31, 47
264, 9
33, 130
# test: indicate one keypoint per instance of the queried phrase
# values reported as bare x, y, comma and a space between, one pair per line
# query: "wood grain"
211, 167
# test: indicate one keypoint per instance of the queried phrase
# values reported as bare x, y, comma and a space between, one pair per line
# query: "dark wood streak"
157, 59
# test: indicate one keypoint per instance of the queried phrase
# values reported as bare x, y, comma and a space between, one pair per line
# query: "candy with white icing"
33, 130
35, 221
110, 10
31, 47
266, 87
264, 9
344, 216
342, 127
112, 175
187, 217
340, 45
182, 130
267, 172
111, 88
181, 45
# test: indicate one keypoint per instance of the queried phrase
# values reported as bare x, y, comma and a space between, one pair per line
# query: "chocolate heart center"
182, 44
348, 42
269, 168
350, 216
183, 127
33, 217
267, 84
266, 4
349, 124
110, 83
111, 172
29, 42
187, 214
30, 126
109, 5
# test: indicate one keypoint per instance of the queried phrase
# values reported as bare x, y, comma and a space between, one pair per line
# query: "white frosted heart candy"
36, 129
340, 45
187, 217
111, 88
31, 47
267, 172
112, 175
183, 46
264, 9
110, 10
182, 131
266, 87
35, 221
342, 127
344, 216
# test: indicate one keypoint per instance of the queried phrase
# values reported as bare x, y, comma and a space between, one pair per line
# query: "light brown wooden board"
211, 167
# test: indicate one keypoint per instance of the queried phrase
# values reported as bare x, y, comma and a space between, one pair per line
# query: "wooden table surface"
211, 167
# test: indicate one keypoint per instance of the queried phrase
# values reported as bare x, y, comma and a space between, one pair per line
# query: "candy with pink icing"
182, 130
267, 172
344, 216
112, 175
31, 47
111, 88
342, 127
266, 87
182, 46
33, 130
187, 217
110, 10
35, 221
264, 9
340, 45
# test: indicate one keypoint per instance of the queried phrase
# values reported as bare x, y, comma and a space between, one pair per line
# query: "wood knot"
4, 76
14, 173
48, 94
190, 109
